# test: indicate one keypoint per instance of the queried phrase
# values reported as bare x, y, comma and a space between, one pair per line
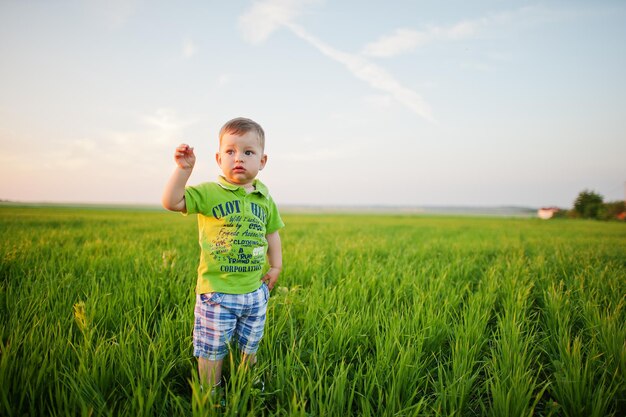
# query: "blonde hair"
240, 126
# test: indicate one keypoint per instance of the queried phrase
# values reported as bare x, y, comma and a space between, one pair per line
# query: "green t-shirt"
232, 226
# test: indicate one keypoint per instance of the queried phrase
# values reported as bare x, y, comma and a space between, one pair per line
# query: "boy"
238, 225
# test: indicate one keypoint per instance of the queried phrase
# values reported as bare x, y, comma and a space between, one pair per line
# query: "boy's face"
241, 158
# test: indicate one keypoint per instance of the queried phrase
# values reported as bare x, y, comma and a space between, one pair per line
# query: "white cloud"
400, 41
224, 79
404, 40
267, 16
314, 155
122, 151
85, 145
189, 48
371, 73
116, 13
168, 120
264, 17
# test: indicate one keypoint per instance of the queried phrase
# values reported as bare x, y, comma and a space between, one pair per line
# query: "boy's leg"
213, 327
251, 324
210, 372
248, 359
250, 329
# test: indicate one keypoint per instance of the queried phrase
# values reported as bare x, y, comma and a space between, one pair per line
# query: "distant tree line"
591, 205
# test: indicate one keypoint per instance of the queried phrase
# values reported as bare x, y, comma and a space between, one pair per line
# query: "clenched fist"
184, 156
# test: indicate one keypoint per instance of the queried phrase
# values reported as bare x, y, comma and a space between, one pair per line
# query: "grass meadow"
374, 315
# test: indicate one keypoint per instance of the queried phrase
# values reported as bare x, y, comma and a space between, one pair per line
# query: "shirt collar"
258, 185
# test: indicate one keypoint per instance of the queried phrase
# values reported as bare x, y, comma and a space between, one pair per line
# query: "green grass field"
375, 315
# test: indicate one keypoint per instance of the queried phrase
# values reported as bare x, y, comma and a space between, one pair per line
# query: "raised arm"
174, 194
275, 258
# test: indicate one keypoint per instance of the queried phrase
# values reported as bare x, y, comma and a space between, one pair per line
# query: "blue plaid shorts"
219, 316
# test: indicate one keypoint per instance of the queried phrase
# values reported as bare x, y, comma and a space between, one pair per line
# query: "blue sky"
364, 103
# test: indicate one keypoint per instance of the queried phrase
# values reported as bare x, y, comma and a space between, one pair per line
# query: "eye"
229, 152
248, 153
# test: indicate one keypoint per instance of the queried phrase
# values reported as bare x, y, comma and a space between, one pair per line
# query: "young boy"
238, 226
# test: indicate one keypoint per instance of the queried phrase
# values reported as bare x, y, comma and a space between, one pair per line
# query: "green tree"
588, 204
612, 209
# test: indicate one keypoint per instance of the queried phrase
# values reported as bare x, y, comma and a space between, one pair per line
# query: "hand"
184, 156
271, 277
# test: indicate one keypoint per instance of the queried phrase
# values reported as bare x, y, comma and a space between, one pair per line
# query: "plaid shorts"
219, 316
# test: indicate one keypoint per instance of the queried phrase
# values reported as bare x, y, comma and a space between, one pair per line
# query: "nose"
239, 157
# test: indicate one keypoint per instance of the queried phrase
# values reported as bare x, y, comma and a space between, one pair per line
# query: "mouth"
239, 168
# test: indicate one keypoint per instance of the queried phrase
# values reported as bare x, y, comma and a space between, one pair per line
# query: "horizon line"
502, 209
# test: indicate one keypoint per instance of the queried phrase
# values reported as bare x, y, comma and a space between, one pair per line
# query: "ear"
218, 159
263, 161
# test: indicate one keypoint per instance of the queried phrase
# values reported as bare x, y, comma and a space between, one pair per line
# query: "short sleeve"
274, 221
195, 200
